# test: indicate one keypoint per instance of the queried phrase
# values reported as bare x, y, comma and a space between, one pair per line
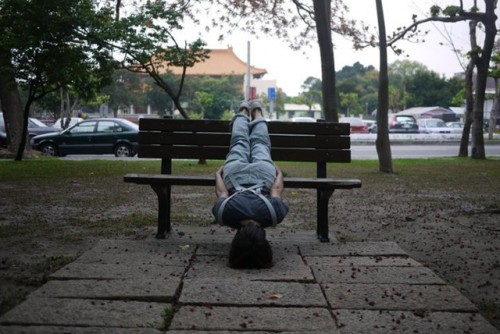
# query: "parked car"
371, 124
3, 139
304, 119
35, 127
435, 125
357, 125
96, 136
72, 121
402, 124
455, 125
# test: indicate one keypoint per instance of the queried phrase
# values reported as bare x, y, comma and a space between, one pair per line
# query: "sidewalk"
182, 285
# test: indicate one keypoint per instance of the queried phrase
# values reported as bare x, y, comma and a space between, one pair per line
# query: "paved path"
182, 285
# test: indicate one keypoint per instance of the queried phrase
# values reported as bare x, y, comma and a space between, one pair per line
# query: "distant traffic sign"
271, 93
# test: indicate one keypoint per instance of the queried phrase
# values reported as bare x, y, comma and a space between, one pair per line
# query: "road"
401, 151
365, 152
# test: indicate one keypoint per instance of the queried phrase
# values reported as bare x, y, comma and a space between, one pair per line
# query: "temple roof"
220, 62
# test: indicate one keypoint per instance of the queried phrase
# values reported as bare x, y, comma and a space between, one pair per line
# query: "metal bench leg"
322, 215
163, 193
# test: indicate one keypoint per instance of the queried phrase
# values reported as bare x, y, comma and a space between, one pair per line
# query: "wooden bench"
169, 139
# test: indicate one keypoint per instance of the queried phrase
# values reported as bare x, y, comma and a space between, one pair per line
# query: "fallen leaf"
275, 296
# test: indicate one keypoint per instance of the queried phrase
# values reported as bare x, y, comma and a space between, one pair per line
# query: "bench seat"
290, 182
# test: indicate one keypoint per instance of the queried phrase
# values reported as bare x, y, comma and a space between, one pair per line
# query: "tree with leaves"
311, 93
146, 43
400, 72
479, 56
47, 46
299, 22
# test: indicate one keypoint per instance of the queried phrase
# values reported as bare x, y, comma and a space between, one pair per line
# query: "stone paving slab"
279, 249
294, 237
247, 332
401, 322
397, 297
373, 275
75, 330
143, 252
86, 312
286, 268
216, 233
351, 261
76, 270
195, 234
253, 319
221, 249
163, 290
369, 248
215, 291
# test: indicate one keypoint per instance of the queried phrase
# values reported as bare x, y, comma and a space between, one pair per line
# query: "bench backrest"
320, 142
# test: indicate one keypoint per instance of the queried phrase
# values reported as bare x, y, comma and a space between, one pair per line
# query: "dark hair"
250, 249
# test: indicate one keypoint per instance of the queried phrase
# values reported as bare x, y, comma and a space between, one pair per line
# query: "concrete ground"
182, 285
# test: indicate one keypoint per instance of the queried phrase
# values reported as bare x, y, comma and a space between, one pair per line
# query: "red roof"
220, 62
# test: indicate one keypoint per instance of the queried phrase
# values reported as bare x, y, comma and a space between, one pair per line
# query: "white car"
372, 125
435, 125
304, 119
459, 125
74, 120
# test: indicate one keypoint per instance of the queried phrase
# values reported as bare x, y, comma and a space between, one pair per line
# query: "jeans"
249, 159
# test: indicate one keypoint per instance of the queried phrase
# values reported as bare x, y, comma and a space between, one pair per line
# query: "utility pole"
247, 83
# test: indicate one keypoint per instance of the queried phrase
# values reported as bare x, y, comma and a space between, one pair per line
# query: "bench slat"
220, 139
290, 182
220, 153
325, 128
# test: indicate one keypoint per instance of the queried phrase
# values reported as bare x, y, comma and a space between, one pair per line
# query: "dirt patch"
454, 229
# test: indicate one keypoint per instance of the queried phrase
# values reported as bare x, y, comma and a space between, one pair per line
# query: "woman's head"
250, 249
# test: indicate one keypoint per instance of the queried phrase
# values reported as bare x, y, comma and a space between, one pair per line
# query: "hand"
278, 186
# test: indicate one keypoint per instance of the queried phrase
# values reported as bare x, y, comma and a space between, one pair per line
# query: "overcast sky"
290, 68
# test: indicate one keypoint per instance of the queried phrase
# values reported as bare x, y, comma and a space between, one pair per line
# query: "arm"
220, 187
278, 186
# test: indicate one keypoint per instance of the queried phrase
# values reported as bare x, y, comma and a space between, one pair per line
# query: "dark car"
3, 139
35, 127
96, 136
402, 124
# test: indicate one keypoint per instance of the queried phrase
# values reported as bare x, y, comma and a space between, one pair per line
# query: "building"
262, 86
224, 62
220, 62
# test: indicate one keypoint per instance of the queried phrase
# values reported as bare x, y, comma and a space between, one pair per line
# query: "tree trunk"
383, 143
24, 132
322, 14
469, 95
175, 97
469, 103
495, 110
11, 104
477, 151
482, 66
